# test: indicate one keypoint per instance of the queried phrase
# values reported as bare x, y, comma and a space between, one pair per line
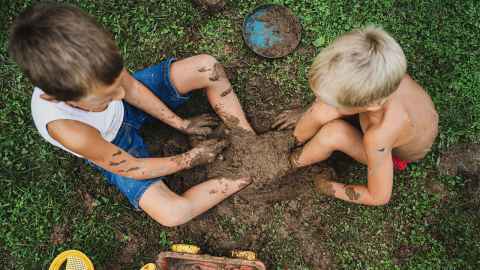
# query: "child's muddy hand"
200, 125
287, 119
207, 151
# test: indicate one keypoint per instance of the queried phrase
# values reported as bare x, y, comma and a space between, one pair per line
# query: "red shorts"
400, 164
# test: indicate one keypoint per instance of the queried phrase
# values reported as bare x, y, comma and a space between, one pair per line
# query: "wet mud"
279, 215
264, 158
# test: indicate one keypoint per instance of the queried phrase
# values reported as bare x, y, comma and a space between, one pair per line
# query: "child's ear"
47, 97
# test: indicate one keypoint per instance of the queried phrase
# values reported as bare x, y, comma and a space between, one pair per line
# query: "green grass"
42, 187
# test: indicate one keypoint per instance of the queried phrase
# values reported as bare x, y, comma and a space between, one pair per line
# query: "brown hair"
359, 68
64, 51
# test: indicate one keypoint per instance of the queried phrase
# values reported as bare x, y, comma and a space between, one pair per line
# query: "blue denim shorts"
157, 79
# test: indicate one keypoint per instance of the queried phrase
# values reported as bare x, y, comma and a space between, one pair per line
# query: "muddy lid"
272, 31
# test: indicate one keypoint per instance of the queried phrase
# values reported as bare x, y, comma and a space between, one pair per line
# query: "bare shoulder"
75, 136
387, 132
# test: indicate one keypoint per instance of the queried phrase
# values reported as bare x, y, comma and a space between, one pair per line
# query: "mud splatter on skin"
114, 164
351, 193
226, 92
133, 169
117, 153
294, 157
324, 186
230, 121
213, 191
204, 69
218, 73
212, 149
178, 160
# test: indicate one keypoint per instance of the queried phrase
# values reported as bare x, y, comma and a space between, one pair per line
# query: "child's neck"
84, 109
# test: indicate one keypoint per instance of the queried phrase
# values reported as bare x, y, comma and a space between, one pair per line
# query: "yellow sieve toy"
71, 260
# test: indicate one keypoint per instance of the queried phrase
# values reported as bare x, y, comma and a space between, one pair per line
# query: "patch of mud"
210, 5
264, 158
248, 221
286, 25
88, 201
131, 245
462, 159
278, 215
59, 234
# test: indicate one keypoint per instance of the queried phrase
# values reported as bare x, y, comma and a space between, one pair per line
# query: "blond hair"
358, 69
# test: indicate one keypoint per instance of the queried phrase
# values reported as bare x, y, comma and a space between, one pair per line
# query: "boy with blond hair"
86, 103
363, 73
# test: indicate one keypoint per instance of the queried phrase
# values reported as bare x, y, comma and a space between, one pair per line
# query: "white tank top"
107, 122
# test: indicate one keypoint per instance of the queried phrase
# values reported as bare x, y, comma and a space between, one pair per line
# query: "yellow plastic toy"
185, 256
243, 254
185, 248
74, 260
149, 266
77, 260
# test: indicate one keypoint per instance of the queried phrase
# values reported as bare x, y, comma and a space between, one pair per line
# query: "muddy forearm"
148, 168
358, 194
142, 98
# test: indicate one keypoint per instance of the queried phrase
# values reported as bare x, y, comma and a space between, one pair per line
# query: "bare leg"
337, 135
170, 209
204, 72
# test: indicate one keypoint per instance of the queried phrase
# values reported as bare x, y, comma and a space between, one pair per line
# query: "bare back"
412, 108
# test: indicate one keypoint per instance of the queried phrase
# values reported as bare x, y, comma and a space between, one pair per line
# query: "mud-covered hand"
200, 125
206, 152
287, 119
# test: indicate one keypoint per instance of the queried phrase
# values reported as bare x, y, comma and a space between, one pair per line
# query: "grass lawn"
51, 202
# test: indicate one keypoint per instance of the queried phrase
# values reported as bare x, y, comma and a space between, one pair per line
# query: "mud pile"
264, 157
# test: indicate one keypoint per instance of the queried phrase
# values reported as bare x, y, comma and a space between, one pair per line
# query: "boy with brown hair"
363, 73
86, 103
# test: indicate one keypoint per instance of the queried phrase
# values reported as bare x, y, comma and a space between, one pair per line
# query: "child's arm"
141, 97
380, 176
309, 122
87, 141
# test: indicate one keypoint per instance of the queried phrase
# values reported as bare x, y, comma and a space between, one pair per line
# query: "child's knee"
180, 213
207, 61
335, 133
211, 70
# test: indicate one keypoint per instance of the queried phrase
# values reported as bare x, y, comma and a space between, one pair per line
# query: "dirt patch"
248, 221
462, 159
210, 5
130, 245
59, 234
265, 217
264, 157
286, 25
